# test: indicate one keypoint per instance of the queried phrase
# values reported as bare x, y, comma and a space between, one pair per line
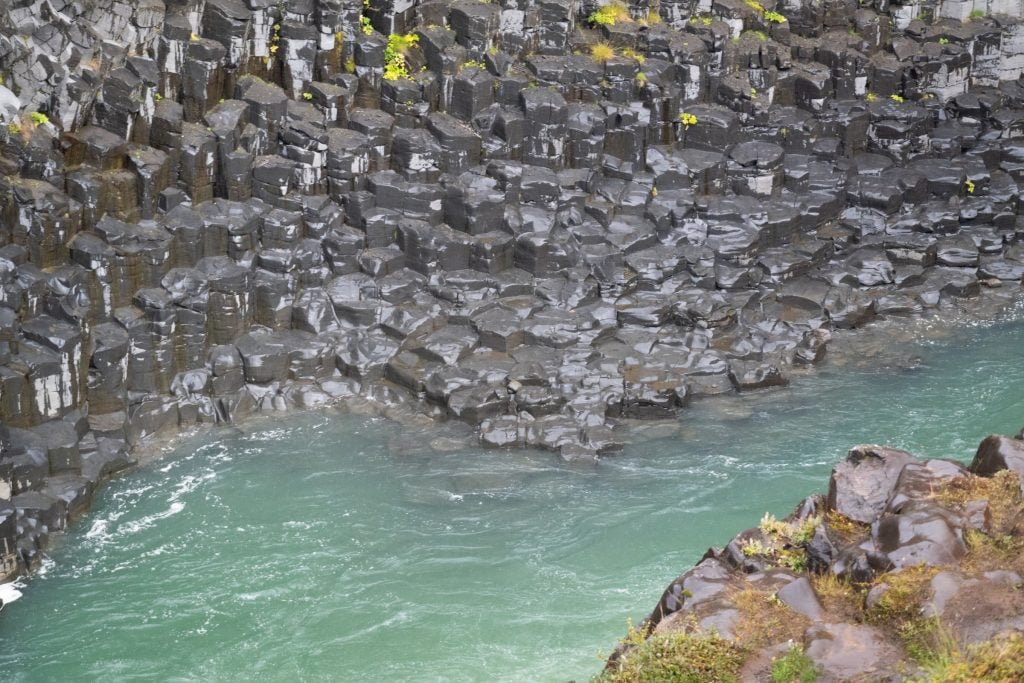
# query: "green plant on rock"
601, 52
396, 65
608, 15
794, 667
969, 184
630, 53
976, 14
39, 118
366, 26
687, 119
702, 20
753, 547
943, 41
898, 99
473, 64
677, 657
774, 17
13, 128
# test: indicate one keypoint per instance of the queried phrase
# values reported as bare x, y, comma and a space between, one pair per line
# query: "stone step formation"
540, 218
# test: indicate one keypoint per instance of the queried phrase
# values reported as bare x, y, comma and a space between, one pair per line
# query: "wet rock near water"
902, 560
538, 219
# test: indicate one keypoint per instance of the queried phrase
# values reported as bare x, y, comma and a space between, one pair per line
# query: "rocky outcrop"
539, 218
905, 564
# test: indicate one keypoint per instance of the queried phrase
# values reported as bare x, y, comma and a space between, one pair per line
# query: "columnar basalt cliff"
536, 217
905, 570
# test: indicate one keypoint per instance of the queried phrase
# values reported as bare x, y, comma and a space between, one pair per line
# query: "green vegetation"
630, 53
687, 120
794, 667
396, 65
774, 17
366, 26
896, 98
976, 14
765, 620
609, 15
900, 607
943, 41
677, 658
601, 52
473, 64
999, 660
969, 184
307, 96
39, 118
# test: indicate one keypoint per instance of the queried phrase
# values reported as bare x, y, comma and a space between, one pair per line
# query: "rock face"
539, 218
901, 557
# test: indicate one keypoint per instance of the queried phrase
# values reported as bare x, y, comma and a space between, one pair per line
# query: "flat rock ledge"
538, 217
906, 569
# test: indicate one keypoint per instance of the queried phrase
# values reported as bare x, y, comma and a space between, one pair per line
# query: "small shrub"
601, 52
39, 118
754, 5
613, 13
652, 18
307, 96
753, 547
774, 17
703, 21
794, 667
630, 53
678, 658
1000, 659
687, 119
13, 128
871, 97
804, 532
395, 64
366, 26
976, 14
773, 527
943, 41
473, 64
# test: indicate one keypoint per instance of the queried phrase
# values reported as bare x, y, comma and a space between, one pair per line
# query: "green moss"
677, 658
900, 609
794, 667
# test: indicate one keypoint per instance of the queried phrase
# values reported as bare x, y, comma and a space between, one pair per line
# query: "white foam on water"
9, 593
149, 520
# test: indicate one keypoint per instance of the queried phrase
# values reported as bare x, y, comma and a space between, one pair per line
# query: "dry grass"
838, 597
1003, 546
601, 52
765, 620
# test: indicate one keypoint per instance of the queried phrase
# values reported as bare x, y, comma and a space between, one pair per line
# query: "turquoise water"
338, 547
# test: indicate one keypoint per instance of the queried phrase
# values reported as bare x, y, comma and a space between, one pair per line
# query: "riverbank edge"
916, 567
388, 401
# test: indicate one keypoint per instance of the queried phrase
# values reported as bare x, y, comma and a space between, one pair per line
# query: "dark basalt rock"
908, 549
862, 484
204, 214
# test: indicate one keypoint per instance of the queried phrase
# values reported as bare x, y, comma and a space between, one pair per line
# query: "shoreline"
855, 349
